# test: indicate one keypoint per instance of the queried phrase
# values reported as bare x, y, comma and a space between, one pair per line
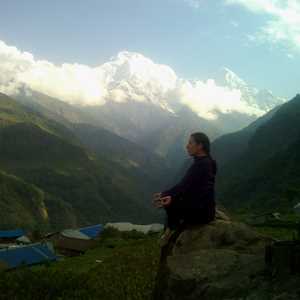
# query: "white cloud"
126, 77
284, 23
234, 23
73, 83
193, 3
205, 97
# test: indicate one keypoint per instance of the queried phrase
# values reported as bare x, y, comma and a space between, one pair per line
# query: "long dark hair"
202, 138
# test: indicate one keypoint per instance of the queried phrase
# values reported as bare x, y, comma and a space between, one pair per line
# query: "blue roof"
92, 231
26, 255
11, 233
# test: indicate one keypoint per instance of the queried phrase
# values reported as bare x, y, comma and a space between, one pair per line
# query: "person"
192, 200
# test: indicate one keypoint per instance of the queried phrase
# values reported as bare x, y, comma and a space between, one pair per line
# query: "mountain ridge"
80, 187
269, 161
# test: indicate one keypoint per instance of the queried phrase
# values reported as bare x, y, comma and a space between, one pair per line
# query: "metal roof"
75, 234
26, 255
12, 233
92, 231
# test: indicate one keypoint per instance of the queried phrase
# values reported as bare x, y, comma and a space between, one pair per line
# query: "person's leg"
173, 216
165, 220
173, 223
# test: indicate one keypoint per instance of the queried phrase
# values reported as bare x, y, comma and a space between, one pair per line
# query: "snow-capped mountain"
135, 97
130, 77
263, 100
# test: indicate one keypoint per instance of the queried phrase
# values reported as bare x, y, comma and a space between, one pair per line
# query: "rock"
219, 235
219, 260
220, 215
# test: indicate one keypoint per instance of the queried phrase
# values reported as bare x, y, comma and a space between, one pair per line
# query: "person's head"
198, 144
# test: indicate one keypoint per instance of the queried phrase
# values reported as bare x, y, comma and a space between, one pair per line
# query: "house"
26, 255
76, 241
12, 237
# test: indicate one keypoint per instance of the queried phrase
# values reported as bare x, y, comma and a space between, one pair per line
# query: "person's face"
193, 148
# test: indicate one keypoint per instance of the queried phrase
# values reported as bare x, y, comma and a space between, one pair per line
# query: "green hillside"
122, 266
230, 146
28, 145
147, 165
148, 168
55, 109
272, 185
11, 112
22, 205
265, 176
170, 140
79, 187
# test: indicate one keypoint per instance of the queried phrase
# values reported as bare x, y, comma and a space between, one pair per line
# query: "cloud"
193, 3
204, 97
284, 24
128, 76
73, 83
234, 23
12, 64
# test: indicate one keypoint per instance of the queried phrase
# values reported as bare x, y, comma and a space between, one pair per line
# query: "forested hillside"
80, 184
260, 168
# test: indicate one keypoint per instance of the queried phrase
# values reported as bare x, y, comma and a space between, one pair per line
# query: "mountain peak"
131, 77
263, 100
232, 79
128, 55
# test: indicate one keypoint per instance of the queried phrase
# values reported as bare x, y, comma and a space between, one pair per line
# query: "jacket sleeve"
186, 182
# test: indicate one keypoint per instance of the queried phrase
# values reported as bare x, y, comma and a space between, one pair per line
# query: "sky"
257, 39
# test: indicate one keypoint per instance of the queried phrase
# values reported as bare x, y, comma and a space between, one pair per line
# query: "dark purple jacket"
195, 194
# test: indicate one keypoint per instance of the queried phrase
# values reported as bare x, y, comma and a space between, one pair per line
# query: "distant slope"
107, 144
28, 145
80, 187
21, 204
145, 124
170, 140
91, 130
230, 146
12, 112
263, 173
54, 109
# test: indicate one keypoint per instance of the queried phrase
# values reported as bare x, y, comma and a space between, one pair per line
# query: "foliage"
119, 268
21, 204
265, 174
79, 188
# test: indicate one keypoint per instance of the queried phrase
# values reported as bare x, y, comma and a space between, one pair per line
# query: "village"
19, 248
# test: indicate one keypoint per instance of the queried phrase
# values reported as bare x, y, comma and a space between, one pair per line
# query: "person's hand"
156, 195
166, 201
156, 200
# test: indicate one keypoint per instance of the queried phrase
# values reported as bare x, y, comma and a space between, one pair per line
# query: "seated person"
192, 200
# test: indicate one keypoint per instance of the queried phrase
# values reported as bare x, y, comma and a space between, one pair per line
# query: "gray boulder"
220, 260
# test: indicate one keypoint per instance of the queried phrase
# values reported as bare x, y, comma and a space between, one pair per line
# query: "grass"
123, 266
277, 233
274, 232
